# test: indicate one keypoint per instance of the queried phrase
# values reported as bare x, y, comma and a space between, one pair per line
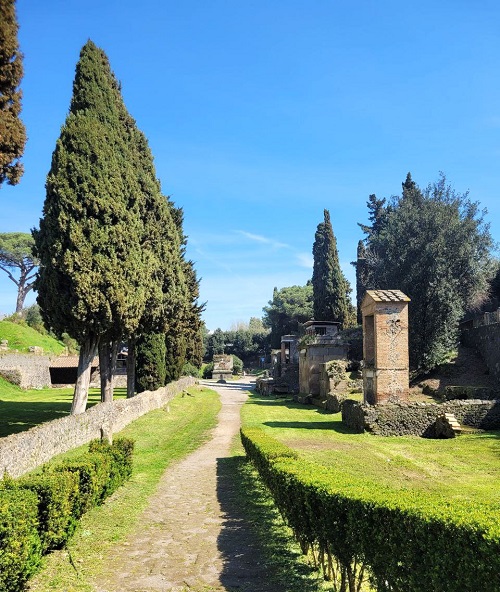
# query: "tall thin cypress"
330, 287
12, 130
92, 265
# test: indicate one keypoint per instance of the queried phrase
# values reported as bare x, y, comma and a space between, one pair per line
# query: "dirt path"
192, 535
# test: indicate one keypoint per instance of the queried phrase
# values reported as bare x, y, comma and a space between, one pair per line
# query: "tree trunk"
131, 367
80, 396
107, 366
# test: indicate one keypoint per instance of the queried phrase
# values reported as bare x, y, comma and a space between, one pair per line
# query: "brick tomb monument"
385, 346
223, 367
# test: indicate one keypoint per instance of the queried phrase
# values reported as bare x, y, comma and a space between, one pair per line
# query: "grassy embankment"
21, 337
161, 437
466, 467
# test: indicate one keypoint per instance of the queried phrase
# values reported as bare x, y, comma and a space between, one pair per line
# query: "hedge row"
39, 513
399, 540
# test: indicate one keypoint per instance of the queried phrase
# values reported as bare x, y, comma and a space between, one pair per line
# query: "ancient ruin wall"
26, 370
21, 453
486, 340
418, 419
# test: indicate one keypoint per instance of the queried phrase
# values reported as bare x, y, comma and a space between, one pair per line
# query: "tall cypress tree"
330, 288
362, 279
92, 265
12, 130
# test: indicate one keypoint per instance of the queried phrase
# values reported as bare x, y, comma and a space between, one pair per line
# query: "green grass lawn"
21, 337
21, 409
467, 467
161, 437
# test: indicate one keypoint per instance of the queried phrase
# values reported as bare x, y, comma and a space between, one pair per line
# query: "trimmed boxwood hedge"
39, 512
404, 541
20, 545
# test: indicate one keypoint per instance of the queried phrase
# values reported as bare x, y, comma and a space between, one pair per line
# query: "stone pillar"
385, 346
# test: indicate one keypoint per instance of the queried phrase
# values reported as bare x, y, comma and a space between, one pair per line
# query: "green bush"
190, 370
92, 471
207, 370
20, 545
237, 365
120, 452
57, 495
404, 541
39, 512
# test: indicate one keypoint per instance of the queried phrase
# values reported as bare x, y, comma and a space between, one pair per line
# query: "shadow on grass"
23, 414
338, 426
257, 549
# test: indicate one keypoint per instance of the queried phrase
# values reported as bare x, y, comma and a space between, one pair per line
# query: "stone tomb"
223, 367
385, 346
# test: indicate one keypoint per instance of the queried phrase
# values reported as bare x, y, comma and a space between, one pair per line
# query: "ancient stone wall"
23, 452
486, 340
312, 360
400, 419
30, 370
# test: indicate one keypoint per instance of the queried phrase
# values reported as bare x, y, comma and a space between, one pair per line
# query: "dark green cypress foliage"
175, 356
92, 274
12, 130
150, 362
435, 247
330, 288
362, 279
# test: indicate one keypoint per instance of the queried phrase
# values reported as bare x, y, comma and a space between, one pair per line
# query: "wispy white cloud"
304, 260
263, 239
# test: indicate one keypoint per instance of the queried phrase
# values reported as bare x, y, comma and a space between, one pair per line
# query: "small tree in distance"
19, 263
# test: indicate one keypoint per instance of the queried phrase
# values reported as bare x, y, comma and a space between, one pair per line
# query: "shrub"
207, 370
120, 452
190, 370
237, 365
93, 471
405, 541
20, 545
57, 494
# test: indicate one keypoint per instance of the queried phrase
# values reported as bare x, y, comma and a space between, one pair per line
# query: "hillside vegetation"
21, 337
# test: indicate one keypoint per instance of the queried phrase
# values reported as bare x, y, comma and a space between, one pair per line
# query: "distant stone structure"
322, 345
385, 346
223, 367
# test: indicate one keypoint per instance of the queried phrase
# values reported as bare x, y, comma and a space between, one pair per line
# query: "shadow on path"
256, 552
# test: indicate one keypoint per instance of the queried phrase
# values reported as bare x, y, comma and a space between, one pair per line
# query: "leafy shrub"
402, 539
92, 470
207, 370
120, 452
56, 494
190, 370
237, 365
39, 513
34, 319
20, 545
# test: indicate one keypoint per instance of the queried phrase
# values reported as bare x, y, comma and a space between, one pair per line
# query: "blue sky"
262, 113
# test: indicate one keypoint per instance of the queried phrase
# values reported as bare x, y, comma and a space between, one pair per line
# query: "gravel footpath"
192, 535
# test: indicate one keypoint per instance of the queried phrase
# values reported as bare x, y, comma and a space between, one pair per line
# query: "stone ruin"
386, 375
223, 367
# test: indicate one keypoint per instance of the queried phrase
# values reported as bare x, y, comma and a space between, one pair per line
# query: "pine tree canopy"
12, 130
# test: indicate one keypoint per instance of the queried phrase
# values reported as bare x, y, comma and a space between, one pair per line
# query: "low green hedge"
20, 545
39, 512
403, 541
